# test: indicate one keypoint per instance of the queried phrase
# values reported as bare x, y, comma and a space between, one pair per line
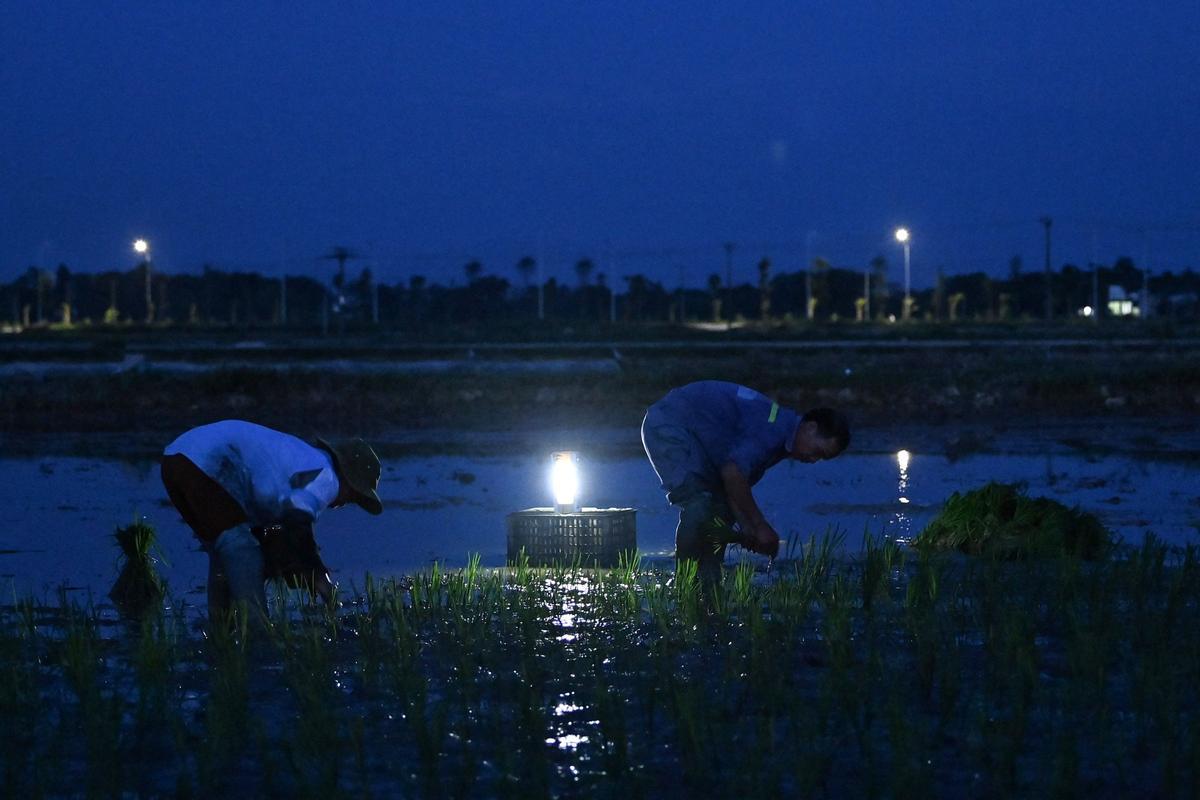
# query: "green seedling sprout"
1036, 675
999, 520
139, 586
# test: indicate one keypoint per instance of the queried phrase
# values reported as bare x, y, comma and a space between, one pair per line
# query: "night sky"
258, 135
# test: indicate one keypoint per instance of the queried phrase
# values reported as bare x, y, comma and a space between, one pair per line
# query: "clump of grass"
139, 586
999, 520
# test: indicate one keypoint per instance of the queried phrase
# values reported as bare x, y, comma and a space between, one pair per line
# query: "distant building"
1122, 303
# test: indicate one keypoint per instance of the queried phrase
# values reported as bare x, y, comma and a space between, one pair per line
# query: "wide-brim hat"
357, 464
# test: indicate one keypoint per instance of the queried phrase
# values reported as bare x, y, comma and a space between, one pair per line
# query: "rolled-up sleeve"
313, 496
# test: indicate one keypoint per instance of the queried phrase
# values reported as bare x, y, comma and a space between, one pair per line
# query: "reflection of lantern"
564, 481
902, 459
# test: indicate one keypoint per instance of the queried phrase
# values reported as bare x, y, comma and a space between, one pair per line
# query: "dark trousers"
706, 528
706, 523
235, 559
204, 505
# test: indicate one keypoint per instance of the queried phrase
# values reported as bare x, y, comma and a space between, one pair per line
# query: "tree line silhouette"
42, 297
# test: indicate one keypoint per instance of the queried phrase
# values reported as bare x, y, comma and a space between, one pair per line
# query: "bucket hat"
357, 464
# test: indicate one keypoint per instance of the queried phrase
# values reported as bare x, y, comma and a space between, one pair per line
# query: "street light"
142, 248
902, 236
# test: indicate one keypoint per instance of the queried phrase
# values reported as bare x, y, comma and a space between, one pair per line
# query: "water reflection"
571, 725
901, 521
568, 741
566, 708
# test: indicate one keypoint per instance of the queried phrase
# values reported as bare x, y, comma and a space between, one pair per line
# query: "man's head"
357, 468
822, 434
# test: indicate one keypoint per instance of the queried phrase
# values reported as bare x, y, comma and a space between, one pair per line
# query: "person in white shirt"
251, 495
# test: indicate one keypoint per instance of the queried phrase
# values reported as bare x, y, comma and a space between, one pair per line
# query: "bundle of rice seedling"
1000, 520
139, 585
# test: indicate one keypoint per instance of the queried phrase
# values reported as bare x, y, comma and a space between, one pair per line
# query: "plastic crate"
591, 537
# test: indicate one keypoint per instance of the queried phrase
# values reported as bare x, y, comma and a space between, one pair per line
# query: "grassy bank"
896, 674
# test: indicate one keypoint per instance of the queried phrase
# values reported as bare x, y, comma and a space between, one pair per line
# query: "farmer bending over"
710, 442
251, 496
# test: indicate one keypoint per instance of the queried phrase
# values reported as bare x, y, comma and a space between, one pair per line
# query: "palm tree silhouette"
583, 269
526, 266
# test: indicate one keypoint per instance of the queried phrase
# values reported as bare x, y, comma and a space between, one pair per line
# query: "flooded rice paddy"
854, 668
57, 514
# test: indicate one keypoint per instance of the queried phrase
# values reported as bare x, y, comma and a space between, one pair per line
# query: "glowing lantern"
564, 481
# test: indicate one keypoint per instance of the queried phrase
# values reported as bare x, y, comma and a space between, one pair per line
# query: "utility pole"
808, 265
1145, 274
1094, 263
283, 299
682, 298
729, 282
1049, 300
612, 290
541, 289
149, 298
866, 295
541, 292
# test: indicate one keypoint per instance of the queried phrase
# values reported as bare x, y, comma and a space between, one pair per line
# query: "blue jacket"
726, 423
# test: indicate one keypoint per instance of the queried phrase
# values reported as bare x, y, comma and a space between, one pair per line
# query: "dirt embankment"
875, 385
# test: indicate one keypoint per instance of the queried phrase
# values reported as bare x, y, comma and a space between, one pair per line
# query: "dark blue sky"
258, 135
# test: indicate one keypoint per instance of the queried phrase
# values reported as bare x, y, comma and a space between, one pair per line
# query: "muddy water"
57, 514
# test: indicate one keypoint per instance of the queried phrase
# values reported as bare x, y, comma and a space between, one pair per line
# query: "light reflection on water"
566, 708
571, 725
901, 521
568, 741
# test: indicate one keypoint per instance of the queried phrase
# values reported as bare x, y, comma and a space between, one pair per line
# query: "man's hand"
757, 534
290, 552
764, 540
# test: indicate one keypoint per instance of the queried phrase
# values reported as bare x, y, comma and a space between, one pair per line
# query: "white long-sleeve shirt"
265, 471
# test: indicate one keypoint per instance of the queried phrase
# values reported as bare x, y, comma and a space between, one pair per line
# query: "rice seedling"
875, 674
878, 562
139, 586
315, 749
22, 759
99, 711
920, 605
999, 520
227, 719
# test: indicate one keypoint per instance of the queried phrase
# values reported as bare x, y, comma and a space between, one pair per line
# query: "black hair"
831, 424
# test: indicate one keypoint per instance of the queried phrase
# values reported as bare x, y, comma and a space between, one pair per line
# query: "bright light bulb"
901, 235
564, 480
141, 246
902, 458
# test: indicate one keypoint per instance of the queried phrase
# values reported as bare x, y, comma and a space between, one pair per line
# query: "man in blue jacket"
710, 442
